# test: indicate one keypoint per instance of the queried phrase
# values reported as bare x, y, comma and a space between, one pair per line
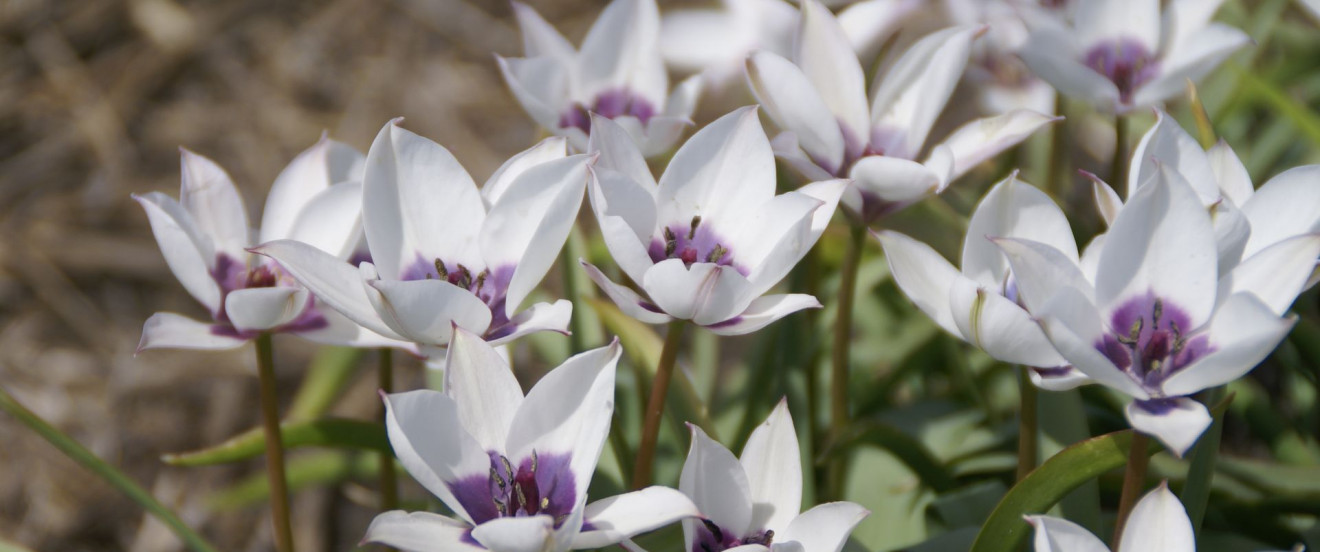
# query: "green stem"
1057, 171
656, 405
105, 471
1028, 434
568, 264
270, 420
1118, 170
1134, 479
1196, 491
841, 352
389, 479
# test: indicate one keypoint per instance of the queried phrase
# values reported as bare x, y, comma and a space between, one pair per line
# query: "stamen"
481, 279
714, 529
1134, 333
522, 498
545, 503
716, 254
464, 277
671, 242
534, 461
696, 221
495, 474
500, 507
440, 270
1159, 311
508, 468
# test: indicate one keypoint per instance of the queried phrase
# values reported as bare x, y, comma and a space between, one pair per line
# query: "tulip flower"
514, 469
1160, 322
618, 73
1121, 55
444, 253
1001, 81
979, 304
1157, 522
819, 100
712, 238
204, 236
752, 503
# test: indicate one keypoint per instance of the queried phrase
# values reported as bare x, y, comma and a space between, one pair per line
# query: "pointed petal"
482, 385
1119, 19
167, 330
1081, 353
339, 330
420, 531
539, 37
1053, 56
778, 235
618, 152
308, 175
187, 251
540, 317
611, 520
717, 484
625, 212
762, 312
795, 105
1060, 535
426, 311
1000, 327
824, 528
431, 443
1012, 209
983, 139
1167, 145
1042, 272
721, 173
628, 300
1230, 173
517, 534
331, 220
773, 464
260, 309
786, 148
528, 226
334, 282
622, 42
541, 86
923, 275
1158, 522
1191, 60
704, 293
211, 198
1277, 274
916, 89
827, 59
894, 179
1058, 378
1243, 332
1106, 200
1176, 422
549, 149
869, 23
1285, 206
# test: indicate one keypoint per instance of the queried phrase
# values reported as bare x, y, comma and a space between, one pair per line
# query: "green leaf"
329, 373
1196, 492
905, 447
327, 432
322, 468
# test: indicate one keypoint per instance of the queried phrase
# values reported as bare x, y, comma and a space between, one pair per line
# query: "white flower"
1160, 322
712, 237
753, 502
819, 100
514, 469
618, 73
1000, 80
205, 235
444, 253
980, 304
1121, 55
1158, 522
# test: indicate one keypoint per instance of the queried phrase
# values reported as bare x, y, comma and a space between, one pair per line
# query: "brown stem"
655, 407
389, 479
270, 421
1134, 479
841, 352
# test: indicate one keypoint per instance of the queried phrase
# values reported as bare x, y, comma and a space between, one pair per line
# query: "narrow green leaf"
323, 468
1064, 425
327, 432
329, 373
905, 447
1196, 491
1291, 110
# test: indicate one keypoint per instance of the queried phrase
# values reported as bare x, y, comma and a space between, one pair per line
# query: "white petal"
418, 201
625, 212
1060, 535
549, 149
189, 254
1276, 274
167, 330
310, 173
339, 330
334, 282
622, 42
539, 37
517, 534
894, 179
721, 173
569, 412
779, 234
870, 22
613, 519
1119, 19
763, 311
717, 484
794, 103
260, 309
1106, 200
1012, 209
773, 464
530, 223
419, 531
1184, 17
628, 300
916, 89
1285, 206
1167, 145
1161, 243
618, 152
923, 275
331, 220
1158, 522
1085, 357
827, 59
1243, 332
1058, 378
540, 317
682, 100
426, 311
704, 293
785, 146
824, 528
1000, 327
1191, 60
211, 198
1052, 55
1234, 181
983, 139
1177, 423
431, 443
541, 86
1090, 261
1042, 272
482, 385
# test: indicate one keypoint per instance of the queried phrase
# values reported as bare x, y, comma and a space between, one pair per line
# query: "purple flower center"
491, 286
611, 104
712, 538
231, 276
1125, 62
693, 243
539, 485
1148, 340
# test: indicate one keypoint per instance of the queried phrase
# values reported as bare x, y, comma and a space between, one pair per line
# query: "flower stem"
1057, 170
270, 420
106, 472
389, 479
569, 266
1134, 478
655, 406
841, 351
1118, 171
1028, 426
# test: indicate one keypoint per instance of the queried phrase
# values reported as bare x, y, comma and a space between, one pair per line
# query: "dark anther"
464, 277
499, 507
545, 502
714, 529
671, 242
440, 269
716, 254
481, 279
534, 460
692, 231
1134, 333
1159, 312
495, 474
769, 537
522, 498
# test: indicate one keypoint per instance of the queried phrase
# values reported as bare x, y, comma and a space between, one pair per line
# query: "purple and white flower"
980, 303
618, 73
711, 238
514, 469
1001, 81
444, 253
1121, 55
752, 503
1160, 322
204, 236
1157, 522
819, 100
